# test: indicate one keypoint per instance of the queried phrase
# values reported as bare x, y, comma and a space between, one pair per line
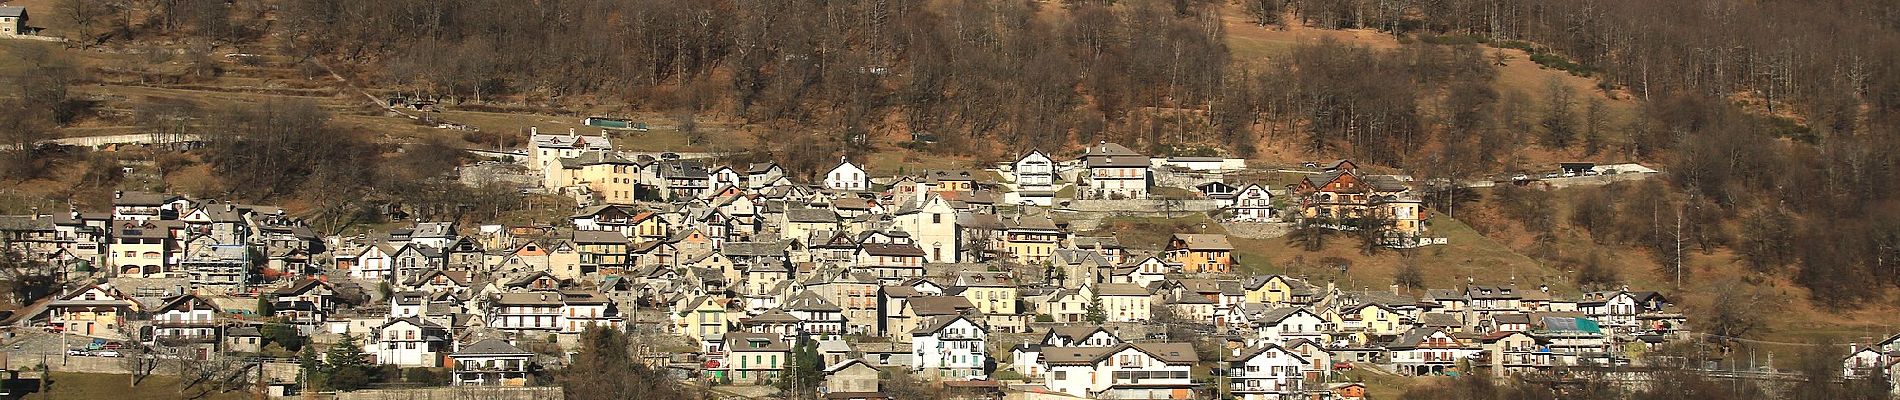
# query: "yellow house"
649, 226
1031, 239
702, 318
1369, 319
1269, 289
993, 293
96, 310
610, 176
1201, 252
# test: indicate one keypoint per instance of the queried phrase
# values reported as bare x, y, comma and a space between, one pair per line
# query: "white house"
185, 319
376, 261
492, 362
1126, 371
1266, 372
408, 342
1080, 336
1428, 351
949, 347
1035, 179
1279, 325
1124, 302
550, 149
847, 176
933, 226
1252, 203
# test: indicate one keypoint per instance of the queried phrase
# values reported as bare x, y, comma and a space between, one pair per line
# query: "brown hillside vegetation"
1787, 196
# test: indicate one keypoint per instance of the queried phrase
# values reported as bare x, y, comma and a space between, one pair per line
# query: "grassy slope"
68, 385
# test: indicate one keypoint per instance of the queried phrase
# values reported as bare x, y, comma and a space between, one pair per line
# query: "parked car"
1570, 174
75, 352
1590, 173
107, 353
1520, 177
1552, 175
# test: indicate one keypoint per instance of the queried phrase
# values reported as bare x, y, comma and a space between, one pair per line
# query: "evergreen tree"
1095, 313
313, 371
804, 373
346, 366
605, 368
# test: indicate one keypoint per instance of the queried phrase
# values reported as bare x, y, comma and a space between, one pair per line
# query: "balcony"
179, 340
185, 323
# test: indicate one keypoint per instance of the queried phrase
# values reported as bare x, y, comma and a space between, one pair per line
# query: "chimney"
570, 132
534, 130
1395, 289
116, 194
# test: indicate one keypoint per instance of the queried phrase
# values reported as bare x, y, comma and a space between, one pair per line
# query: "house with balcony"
307, 303
1266, 372
1201, 252
1285, 324
522, 312
1511, 353
1125, 371
1035, 179
409, 342
93, 310
1341, 193
1112, 171
146, 206
950, 348
145, 248
1429, 351
186, 320
491, 362
1124, 302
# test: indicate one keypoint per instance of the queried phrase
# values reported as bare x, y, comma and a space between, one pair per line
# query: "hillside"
986, 117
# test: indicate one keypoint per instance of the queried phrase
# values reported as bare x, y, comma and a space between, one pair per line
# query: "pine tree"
1095, 313
804, 373
346, 365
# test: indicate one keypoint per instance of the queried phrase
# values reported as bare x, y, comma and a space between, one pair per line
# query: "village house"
1342, 193
186, 320
949, 347
409, 342
1124, 302
753, 358
847, 177
307, 303
1429, 351
1035, 179
1201, 252
1113, 172
1125, 371
13, 21
550, 149
1267, 372
491, 362
852, 379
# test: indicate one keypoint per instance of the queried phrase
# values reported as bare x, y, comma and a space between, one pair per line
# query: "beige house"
13, 21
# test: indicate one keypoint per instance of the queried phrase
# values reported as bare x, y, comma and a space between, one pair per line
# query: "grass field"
67, 385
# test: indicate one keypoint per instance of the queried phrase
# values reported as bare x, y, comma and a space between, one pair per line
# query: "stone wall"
1143, 206
457, 393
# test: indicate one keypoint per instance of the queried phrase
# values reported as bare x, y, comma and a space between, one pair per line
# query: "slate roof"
491, 347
